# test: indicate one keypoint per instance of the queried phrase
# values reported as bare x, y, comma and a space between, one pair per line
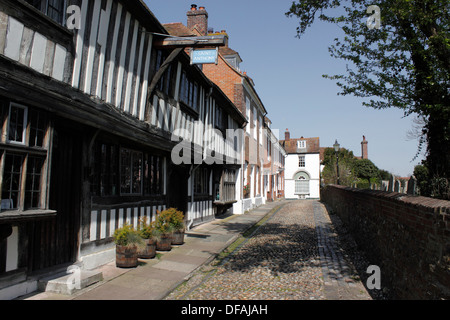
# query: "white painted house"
302, 167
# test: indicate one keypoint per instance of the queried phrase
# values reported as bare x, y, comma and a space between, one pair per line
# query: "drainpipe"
191, 172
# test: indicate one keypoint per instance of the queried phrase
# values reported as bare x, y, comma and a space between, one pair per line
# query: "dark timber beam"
205, 41
179, 44
158, 76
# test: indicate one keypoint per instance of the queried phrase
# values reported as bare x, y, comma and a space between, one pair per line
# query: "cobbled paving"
293, 256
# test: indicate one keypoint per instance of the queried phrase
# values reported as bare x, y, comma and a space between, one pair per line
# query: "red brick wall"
222, 75
407, 237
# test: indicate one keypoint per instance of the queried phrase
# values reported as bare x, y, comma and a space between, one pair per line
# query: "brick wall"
222, 75
407, 237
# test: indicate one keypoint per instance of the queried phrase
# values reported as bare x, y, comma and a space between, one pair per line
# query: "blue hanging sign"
203, 56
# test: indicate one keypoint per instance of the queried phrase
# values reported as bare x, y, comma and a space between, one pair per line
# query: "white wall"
312, 168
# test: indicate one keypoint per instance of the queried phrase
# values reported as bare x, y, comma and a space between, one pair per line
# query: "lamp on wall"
336, 149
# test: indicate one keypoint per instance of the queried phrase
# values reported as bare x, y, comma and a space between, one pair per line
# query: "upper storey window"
55, 9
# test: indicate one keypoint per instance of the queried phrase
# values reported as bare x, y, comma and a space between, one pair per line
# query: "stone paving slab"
338, 283
156, 278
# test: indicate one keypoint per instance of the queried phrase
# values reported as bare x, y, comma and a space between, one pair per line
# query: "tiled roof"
227, 51
178, 29
312, 145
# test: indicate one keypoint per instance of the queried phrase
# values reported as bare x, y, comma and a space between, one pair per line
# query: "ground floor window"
130, 172
201, 181
13, 184
228, 192
301, 186
33, 182
301, 182
12, 174
123, 171
23, 156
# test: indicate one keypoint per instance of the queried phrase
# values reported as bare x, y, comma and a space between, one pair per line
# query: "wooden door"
55, 242
177, 188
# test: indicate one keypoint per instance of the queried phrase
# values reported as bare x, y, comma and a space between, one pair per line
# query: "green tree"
404, 64
346, 160
385, 175
365, 169
422, 176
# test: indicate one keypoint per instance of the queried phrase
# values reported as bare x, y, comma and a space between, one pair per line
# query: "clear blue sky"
287, 72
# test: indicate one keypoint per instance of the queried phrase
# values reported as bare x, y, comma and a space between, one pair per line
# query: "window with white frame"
17, 123
260, 131
255, 129
22, 165
301, 186
301, 144
247, 111
301, 161
301, 183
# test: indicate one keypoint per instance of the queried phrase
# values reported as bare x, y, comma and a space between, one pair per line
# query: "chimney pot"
287, 135
198, 19
202, 8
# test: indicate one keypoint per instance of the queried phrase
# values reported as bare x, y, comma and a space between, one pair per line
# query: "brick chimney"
364, 153
287, 135
198, 18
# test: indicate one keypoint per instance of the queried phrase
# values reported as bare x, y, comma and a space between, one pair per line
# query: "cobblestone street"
292, 254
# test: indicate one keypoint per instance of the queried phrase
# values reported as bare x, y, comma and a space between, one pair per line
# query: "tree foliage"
346, 160
351, 170
366, 169
403, 64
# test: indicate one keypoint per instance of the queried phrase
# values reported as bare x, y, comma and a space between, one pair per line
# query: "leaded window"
55, 9
130, 172
23, 157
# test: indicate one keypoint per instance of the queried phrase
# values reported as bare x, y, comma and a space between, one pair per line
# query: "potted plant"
148, 234
127, 241
163, 230
176, 221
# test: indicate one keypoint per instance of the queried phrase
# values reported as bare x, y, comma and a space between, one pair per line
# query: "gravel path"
295, 255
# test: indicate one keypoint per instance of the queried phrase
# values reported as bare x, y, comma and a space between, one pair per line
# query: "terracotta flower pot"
126, 256
178, 237
149, 251
164, 243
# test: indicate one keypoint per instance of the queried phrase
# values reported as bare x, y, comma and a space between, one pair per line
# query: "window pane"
136, 172
55, 10
36, 3
131, 172
17, 123
302, 186
301, 161
125, 171
33, 182
38, 126
157, 175
12, 174
52, 8
195, 102
113, 171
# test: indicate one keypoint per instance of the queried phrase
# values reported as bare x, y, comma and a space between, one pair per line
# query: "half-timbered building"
93, 103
